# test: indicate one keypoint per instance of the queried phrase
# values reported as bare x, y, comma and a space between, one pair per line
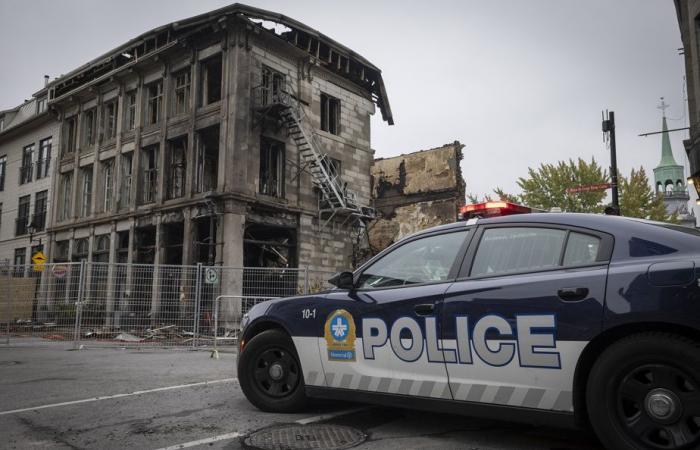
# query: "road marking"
236, 434
108, 397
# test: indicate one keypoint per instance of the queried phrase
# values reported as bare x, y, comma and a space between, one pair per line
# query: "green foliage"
545, 187
638, 199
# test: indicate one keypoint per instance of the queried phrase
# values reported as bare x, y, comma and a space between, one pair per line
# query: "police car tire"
616, 362
267, 340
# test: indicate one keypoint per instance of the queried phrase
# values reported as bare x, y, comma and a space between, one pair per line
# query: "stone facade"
688, 12
156, 184
416, 191
28, 138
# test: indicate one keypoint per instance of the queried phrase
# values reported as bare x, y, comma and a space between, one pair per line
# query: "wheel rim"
659, 406
276, 373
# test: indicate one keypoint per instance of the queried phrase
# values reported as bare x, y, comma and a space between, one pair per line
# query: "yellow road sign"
39, 260
39, 257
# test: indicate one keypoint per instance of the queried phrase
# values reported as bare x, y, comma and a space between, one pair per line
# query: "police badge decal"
339, 332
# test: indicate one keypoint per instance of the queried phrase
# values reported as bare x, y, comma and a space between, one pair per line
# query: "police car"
560, 319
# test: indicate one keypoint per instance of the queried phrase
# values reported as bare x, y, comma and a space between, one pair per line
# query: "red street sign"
589, 188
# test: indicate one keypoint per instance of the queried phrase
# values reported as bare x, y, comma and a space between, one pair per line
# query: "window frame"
451, 276
604, 250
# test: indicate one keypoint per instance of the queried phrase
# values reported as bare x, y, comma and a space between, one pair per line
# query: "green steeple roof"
666, 152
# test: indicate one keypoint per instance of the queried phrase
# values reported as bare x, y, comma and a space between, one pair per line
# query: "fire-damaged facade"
239, 137
415, 191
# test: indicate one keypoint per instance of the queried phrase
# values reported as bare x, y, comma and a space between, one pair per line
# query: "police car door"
528, 299
383, 336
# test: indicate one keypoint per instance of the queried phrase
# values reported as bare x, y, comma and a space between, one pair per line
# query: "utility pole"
609, 127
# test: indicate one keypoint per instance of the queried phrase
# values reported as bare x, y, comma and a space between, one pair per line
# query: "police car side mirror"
342, 280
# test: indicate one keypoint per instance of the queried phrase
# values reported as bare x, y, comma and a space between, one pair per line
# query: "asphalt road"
51, 398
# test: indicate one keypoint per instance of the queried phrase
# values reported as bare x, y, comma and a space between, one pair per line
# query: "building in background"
669, 180
28, 135
688, 12
238, 137
415, 191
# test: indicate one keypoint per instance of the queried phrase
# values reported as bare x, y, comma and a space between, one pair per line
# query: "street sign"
211, 276
39, 260
589, 188
59, 271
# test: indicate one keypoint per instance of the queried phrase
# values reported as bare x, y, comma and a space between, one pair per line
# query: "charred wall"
415, 191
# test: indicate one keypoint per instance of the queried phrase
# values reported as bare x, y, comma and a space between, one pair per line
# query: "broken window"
269, 246
154, 102
89, 125
3, 170
26, 169
210, 80
182, 92
130, 118
109, 118
175, 161
145, 245
40, 207
122, 246
173, 236
69, 129
330, 114
205, 239
206, 178
107, 185
149, 166
272, 85
271, 167
86, 191
66, 189
125, 180
22, 215
44, 159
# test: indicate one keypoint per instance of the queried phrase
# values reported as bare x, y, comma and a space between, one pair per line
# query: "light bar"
492, 209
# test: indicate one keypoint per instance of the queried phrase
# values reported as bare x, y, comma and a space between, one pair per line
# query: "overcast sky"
517, 82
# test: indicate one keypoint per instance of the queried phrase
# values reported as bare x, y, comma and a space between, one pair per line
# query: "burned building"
239, 137
415, 191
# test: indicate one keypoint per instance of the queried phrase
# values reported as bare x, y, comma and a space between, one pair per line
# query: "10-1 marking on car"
308, 313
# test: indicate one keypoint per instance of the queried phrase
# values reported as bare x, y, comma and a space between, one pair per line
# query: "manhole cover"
301, 437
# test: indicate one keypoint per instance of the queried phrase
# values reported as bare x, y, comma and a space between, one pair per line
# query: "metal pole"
79, 305
306, 279
613, 164
197, 298
609, 126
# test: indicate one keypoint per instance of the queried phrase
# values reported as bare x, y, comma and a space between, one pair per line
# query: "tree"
638, 199
500, 194
545, 187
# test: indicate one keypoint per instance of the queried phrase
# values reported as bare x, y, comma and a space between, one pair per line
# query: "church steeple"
668, 175
667, 158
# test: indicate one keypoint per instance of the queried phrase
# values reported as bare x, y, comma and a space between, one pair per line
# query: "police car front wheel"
270, 374
644, 393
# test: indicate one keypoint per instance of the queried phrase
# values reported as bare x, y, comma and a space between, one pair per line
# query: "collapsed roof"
327, 52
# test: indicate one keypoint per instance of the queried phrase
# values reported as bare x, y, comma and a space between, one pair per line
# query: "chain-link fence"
102, 304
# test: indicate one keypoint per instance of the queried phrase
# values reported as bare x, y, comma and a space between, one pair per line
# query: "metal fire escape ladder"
336, 198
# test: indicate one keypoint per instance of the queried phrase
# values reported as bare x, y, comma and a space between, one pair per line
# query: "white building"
28, 139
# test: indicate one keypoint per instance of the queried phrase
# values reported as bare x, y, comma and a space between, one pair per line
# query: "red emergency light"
492, 209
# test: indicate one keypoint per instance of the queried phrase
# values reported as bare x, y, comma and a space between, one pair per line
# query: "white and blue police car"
560, 319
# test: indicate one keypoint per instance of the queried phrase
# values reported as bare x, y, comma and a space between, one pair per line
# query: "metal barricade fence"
134, 305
